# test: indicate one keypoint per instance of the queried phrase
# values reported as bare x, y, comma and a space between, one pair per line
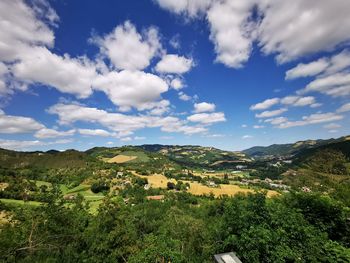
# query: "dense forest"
295, 227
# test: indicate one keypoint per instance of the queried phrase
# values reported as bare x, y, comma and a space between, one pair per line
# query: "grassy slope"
141, 156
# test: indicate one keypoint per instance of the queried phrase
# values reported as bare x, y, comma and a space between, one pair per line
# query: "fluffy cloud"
67, 74
190, 8
298, 101
71, 113
324, 23
3, 73
307, 70
265, 104
18, 124
129, 89
293, 100
331, 75
231, 31
51, 133
277, 120
331, 78
312, 119
175, 41
176, 84
245, 137
344, 108
188, 130
20, 28
122, 124
128, 49
335, 85
207, 118
95, 132
174, 64
279, 27
183, 96
204, 107
228, 21
324, 65
268, 114
136, 138
24, 43
258, 126
338, 62
316, 105
18, 145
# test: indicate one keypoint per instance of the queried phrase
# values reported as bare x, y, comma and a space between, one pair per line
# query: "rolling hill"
195, 156
49, 159
291, 149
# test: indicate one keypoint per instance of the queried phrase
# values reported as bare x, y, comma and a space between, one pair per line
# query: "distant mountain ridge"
291, 148
51, 159
187, 155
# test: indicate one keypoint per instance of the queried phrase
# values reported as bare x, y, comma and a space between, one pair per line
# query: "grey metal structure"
229, 257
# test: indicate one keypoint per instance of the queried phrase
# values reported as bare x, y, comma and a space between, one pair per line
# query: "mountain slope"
290, 148
198, 156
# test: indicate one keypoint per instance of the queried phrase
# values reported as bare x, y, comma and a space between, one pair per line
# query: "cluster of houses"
276, 184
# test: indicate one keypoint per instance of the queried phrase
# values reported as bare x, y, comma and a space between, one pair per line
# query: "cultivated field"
220, 174
223, 189
160, 181
157, 180
121, 159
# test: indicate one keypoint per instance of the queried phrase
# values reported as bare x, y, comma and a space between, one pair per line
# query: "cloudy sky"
223, 73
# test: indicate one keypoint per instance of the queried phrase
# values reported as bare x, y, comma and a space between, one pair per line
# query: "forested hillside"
291, 148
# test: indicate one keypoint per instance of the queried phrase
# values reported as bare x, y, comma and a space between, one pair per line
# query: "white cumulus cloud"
265, 104
18, 124
51, 133
344, 108
175, 64
204, 107
268, 114
278, 27
127, 48
312, 119
128, 89
207, 118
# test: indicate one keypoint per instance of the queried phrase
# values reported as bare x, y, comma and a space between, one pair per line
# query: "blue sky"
229, 74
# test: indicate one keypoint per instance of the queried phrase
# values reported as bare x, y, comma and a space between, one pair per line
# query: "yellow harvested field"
157, 180
121, 159
224, 189
160, 181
